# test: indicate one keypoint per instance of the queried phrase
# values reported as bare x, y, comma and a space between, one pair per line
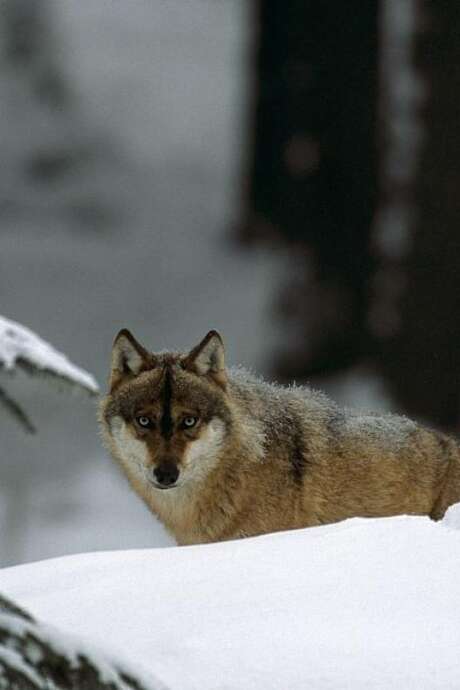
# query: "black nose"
166, 474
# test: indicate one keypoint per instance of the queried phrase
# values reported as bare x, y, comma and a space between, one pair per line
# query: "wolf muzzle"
166, 474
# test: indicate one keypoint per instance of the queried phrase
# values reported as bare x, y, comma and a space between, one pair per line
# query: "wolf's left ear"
129, 358
208, 358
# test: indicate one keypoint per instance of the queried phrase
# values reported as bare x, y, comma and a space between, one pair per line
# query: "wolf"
217, 453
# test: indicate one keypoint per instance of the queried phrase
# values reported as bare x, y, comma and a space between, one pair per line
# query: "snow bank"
364, 604
452, 517
19, 344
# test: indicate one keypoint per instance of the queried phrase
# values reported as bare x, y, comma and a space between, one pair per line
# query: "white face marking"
132, 451
200, 457
203, 454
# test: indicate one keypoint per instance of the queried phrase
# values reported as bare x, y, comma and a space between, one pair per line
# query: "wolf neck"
177, 510
197, 512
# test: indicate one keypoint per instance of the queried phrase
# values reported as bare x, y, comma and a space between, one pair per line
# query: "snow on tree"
22, 349
34, 656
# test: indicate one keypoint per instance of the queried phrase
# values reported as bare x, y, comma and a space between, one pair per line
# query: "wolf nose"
166, 474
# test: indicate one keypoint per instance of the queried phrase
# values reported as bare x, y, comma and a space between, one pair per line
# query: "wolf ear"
208, 358
129, 358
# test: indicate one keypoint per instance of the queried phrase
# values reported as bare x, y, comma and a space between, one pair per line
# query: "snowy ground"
364, 604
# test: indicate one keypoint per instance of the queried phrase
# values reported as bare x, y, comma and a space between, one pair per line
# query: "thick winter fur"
241, 457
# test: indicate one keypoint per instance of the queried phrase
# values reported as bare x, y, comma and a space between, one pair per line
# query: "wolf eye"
144, 421
189, 422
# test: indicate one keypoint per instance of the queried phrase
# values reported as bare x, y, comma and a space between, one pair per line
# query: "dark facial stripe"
166, 421
297, 457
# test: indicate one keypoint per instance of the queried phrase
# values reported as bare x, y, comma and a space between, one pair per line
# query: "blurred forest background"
284, 172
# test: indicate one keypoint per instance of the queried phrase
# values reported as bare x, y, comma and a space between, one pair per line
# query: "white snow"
20, 343
452, 517
12, 659
371, 604
110, 671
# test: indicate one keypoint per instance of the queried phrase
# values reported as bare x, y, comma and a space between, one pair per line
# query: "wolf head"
166, 415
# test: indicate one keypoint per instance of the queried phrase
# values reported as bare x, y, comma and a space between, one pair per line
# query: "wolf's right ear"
129, 358
207, 359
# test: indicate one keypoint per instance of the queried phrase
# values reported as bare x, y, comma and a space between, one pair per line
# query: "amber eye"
189, 422
144, 421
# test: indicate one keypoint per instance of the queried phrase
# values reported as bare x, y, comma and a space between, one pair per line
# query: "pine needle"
16, 411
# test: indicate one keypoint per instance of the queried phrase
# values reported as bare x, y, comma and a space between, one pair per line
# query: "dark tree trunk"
422, 359
313, 179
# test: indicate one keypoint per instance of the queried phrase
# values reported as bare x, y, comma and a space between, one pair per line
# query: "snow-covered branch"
21, 348
38, 657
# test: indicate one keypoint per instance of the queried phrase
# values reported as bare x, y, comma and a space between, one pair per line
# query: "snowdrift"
371, 604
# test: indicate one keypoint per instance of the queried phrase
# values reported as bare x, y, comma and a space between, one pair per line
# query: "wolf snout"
166, 474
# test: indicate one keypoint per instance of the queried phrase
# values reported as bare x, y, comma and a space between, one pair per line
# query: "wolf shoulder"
294, 407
